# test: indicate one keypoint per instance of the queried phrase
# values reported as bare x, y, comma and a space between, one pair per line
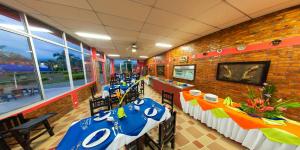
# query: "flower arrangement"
264, 104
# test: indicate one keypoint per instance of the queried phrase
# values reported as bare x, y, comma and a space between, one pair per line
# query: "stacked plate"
195, 92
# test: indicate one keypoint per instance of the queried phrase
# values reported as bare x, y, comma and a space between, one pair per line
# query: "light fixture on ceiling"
94, 36
187, 48
163, 45
113, 55
133, 47
143, 56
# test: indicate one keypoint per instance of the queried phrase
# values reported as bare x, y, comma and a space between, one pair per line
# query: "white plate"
153, 113
99, 141
141, 102
97, 118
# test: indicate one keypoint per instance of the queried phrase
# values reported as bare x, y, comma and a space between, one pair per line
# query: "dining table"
252, 132
106, 130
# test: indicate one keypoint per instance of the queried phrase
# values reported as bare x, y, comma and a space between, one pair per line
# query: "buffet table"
253, 133
159, 84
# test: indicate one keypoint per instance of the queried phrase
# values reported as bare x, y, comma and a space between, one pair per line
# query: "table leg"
25, 145
3, 144
48, 127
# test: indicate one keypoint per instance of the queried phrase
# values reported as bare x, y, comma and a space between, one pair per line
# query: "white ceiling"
145, 22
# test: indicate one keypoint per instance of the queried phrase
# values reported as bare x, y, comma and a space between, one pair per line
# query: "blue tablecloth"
131, 125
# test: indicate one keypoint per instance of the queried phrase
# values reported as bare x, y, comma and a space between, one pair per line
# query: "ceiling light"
113, 55
129, 59
186, 48
133, 50
94, 36
143, 56
163, 45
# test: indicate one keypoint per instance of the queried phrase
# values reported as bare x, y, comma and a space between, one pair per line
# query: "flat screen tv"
186, 72
254, 72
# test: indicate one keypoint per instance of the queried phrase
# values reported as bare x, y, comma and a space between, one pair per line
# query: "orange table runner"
242, 119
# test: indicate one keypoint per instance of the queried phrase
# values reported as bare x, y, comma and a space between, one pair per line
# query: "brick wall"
285, 64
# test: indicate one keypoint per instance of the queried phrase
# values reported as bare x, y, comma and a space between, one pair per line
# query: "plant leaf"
290, 105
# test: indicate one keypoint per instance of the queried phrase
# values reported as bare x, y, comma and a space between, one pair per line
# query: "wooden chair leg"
3, 144
173, 143
25, 145
48, 127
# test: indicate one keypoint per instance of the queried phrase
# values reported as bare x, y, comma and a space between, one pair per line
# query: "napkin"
102, 113
97, 136
151, 110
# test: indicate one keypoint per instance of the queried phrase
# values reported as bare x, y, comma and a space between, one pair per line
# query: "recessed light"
113, 55
186, 48
94, 36
133, 50
143, 56
163, 45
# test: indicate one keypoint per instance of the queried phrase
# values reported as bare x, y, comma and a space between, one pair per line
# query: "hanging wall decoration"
243, 72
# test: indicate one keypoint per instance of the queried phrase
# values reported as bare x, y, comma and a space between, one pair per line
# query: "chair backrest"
142, 88
99, 104
93, 91
133, 94
113, 82
167, 129
168, 98
11, 122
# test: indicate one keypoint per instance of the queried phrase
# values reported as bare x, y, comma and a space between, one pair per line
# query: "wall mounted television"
186, 72
254, 72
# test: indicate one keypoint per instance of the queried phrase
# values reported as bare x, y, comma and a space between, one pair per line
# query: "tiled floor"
190, 134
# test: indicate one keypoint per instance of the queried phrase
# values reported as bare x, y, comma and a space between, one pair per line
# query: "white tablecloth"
253, 139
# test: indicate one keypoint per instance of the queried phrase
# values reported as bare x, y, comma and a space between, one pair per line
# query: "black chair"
142, 88
99, 104
94, 91
168, 98
20, 128
113, 96
166, 134
132, 95
113, 82
128, 80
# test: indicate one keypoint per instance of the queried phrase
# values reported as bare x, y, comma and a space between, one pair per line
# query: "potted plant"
264, 104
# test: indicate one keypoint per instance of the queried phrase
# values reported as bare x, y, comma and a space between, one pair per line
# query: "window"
53, 68
18, 81
11, 19
76, 67
88, 67
42, 30
73, 43
86, 49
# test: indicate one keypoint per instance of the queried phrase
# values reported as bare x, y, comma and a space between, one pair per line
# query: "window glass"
45, 31
73, 43
86, 49
52, 63
18, 81
77, 68
11, 19
88, 67
107, 69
